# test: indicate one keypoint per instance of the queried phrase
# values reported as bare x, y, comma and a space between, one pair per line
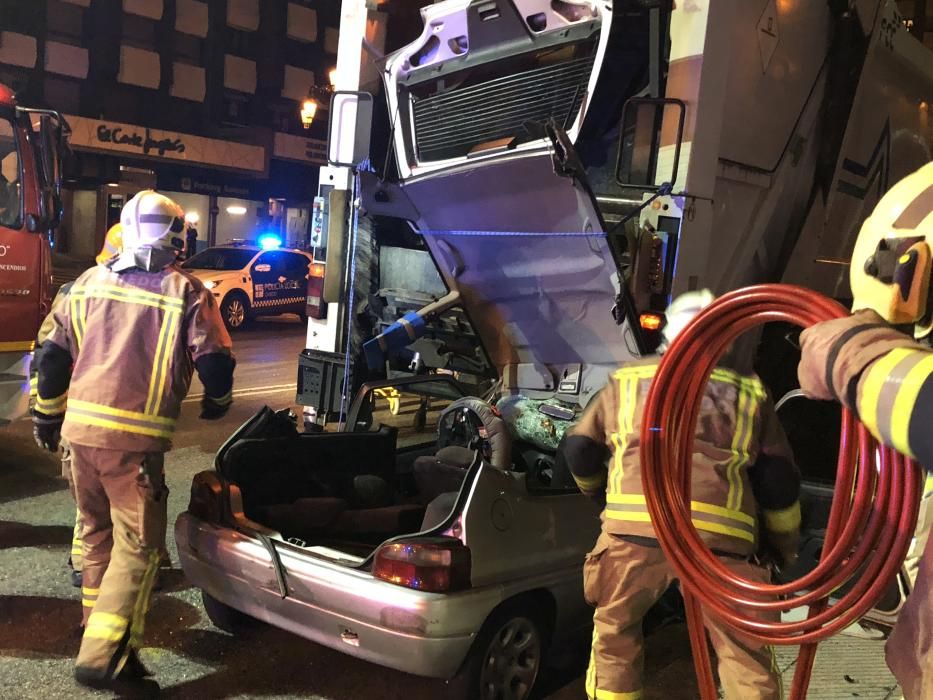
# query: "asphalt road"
40, 611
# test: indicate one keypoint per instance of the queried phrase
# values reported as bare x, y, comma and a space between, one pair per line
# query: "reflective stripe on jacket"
133, 337
735, 426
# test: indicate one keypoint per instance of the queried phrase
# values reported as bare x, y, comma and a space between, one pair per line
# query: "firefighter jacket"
881, 374
58, 304
741, 460
120, 353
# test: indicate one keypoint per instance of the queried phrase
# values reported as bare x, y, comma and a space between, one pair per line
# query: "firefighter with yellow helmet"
878, 363
742, 464
114, 392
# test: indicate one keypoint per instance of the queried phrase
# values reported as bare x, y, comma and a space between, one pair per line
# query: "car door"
268, 274
295, 285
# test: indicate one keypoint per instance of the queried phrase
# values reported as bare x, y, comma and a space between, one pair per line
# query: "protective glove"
47, 430
835, 353
211, 410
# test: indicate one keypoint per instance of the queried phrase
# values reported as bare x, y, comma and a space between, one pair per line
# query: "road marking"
250, 391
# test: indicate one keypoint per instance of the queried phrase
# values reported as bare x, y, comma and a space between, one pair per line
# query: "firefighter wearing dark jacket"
112, 374
742, 468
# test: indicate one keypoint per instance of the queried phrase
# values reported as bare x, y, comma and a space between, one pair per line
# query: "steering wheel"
472, 423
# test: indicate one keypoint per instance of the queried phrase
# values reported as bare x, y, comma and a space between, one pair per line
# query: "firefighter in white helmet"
742, 465
112, 374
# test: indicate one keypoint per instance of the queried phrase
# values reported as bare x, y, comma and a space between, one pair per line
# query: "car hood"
526, 250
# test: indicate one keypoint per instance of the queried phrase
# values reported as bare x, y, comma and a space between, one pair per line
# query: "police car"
254, 280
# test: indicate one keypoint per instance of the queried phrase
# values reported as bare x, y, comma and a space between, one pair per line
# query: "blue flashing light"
269, 241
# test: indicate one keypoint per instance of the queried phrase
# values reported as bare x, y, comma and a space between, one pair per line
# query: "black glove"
211, 410
47, 430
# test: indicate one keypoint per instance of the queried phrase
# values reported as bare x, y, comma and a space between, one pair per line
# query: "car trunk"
340, 492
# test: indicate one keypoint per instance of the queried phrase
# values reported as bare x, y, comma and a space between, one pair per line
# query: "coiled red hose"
871, 521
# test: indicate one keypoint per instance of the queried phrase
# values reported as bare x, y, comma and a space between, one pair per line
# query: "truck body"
30, 179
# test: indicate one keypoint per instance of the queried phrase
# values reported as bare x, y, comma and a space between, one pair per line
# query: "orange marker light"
650, 322
317, 270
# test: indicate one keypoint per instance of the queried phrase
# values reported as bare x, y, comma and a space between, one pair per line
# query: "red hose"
871, 521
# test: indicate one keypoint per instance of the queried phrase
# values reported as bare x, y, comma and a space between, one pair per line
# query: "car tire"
507, 657
234, 310
225, 618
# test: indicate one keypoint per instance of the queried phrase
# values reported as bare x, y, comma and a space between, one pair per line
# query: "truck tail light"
437, 564
207, 497
315, 306
651, 321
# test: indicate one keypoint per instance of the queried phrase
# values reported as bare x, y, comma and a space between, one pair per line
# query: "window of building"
302, 23
241, 43
239, 74
331, 35
139, 67
17, 49
191, 17
65, 94
66, 59
139, 31
65, 20
298, 82
188, 48
143, 8
188, 82
243, 14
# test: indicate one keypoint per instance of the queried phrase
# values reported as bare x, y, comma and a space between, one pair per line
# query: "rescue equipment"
874, 509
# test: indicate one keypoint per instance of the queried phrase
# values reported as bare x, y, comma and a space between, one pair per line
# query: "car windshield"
11, 200
220, 259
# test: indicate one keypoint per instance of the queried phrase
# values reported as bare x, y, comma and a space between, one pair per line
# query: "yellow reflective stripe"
740, 444
730, 513
166, 355
635, 499
55, 405
156, 365
106, 626
17, 346
120, 412
872, 383
90, 591
590, 483
904, 403
591, 668
115, 425
719, 528
928, 485
89, 604
612, 695
141, 607
128, 293
225, 399
77, 327
785, 520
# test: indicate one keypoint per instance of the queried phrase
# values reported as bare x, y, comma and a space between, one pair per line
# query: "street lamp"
308, 110
318, 98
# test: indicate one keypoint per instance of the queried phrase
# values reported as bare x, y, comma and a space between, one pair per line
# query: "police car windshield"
220, 259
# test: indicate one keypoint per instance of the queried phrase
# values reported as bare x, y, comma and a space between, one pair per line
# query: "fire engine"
31, 145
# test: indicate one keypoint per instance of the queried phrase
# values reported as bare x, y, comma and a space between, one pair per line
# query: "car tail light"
207, 497
315, 306
431, 564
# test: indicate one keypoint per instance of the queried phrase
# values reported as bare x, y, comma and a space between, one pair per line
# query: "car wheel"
506, 658
235, 310
223, 617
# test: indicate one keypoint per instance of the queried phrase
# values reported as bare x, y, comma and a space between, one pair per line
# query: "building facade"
197, 98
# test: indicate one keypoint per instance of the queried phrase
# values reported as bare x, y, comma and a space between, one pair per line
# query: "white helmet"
683, 310
153, 232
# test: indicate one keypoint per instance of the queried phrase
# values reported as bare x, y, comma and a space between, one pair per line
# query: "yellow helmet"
891, 263
113, 244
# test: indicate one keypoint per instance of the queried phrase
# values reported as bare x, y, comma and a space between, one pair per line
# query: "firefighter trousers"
76, 536
623, 580
122, 498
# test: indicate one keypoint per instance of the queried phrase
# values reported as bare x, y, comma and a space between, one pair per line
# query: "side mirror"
350, 127
33, 223
649, 146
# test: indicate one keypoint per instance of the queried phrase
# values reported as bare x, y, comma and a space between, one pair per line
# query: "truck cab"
31, 144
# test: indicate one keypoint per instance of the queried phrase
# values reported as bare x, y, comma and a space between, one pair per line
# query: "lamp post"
317, 99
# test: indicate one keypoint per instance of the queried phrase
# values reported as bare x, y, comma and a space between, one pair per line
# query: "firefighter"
742, 462
886, 377
113, 243
119, 357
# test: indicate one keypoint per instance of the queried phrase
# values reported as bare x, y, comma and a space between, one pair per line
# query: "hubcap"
235, 313
512, 661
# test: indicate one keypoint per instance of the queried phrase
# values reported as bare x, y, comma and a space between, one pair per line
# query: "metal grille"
448, 125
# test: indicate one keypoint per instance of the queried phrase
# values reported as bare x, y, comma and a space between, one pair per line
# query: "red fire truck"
31, 146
